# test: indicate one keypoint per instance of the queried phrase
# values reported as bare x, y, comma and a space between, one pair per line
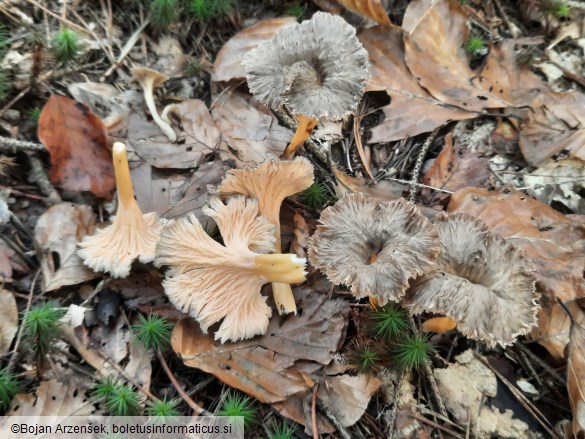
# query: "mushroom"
211, 282
373, 247
270, 183
131, 235
317, 68
150, 79
483, 282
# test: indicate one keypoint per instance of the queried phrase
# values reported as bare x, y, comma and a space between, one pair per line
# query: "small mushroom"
150, 79
373, 247
317, 68
212, 282
131, 235
270, 183
483, 282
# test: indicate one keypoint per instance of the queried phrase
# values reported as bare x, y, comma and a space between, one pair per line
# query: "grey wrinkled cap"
317, 68
482, 281
373, 247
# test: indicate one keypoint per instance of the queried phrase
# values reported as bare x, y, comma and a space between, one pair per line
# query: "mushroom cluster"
483, 282
317, 68
212, 282
270, 183
132, 235
454, 266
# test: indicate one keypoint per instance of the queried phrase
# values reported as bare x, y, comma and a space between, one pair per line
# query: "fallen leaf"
76, 141
553, 241
8, 320
412, 109
251, 133
264, 367
382, 190
463, 387
57, 233
556, 123
169, 56
9, 262
436, 33
52, 399
228, 63
372, 9
301, 239
562, 181
576, 372
101, 98
145, 141
177, 195
457, 167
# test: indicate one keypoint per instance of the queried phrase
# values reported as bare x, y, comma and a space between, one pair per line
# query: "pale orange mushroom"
214, 282
270, 183
131, 235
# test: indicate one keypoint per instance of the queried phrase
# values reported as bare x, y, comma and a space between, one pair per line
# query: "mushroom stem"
287, 268
148, 87
303, 132
123, 180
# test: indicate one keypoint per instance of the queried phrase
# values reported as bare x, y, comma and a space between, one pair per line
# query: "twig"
196, 408
13, 358
126, 50
58, 17
40, 178
10, 143
435, 425
14, 100
340, 428
542, 364
314, 413
418, 164
357, 118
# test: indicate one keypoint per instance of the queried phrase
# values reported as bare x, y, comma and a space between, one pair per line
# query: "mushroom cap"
482, 281
211, 281
373, 247
316, 68
141, 74
270, 183
130, 236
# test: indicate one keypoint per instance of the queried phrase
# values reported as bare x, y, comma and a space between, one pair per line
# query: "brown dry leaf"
9, 262
555, 243
251, 133
576, 372
382, 190
561, 181
556, 123
412, 110
57, 233
52, 399
435, 35
228, 64
372, 9
175, 195
198, 133
76, 141
264, 367
8, 320
457, 167
301, 240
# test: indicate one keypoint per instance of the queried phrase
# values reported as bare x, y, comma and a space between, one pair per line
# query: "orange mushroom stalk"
131, 235
213, 282
304, 130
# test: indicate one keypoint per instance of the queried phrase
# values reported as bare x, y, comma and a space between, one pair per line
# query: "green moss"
163, 13
66, 46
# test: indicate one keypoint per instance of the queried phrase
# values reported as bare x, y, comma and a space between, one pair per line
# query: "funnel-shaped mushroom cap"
211, 281
143, 75
270, 183
373, 247
131, 235
316, 68
482, 281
